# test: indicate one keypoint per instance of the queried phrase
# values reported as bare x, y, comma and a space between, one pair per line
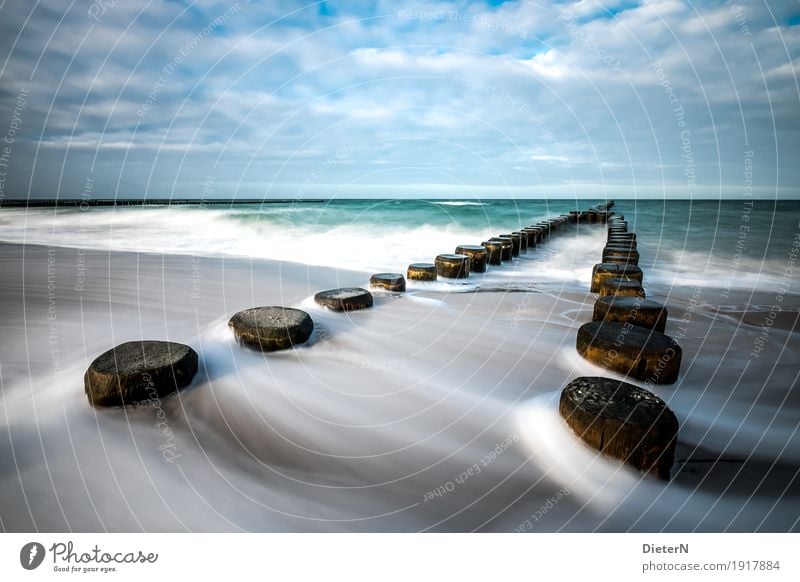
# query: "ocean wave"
368, 243
363, 243
376, 236
458, 203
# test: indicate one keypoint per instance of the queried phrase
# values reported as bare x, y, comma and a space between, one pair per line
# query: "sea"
743, 245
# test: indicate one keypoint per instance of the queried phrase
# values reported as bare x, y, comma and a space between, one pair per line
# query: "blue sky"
284, 99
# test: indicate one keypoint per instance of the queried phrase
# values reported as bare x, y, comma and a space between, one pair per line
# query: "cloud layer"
659, 98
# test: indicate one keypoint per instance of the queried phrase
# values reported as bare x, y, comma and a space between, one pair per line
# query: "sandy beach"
436, 410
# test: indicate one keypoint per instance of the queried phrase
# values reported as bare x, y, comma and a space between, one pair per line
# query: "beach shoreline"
370, 425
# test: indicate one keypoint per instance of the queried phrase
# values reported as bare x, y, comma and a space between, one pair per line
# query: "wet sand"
432, 411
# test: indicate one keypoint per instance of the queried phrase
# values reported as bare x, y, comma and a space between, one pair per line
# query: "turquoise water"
732, 244
409, 213
763, 230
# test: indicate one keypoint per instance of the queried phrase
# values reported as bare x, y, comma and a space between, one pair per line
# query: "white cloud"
566, 90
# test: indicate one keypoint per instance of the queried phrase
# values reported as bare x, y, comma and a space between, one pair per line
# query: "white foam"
367, 245
459, 203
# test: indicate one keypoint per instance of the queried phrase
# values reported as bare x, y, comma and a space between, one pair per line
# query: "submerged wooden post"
388, 281
534, 234
603, 271
271, 328
139, 371
507, 252
523, 240
345, 299
421, 272
477, 257
643, 354
619, 287
621, 253
623, 421
515, 243
494, 252
622, 243
640, 312
452, 266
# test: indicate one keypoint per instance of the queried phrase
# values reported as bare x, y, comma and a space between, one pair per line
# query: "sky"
516, 99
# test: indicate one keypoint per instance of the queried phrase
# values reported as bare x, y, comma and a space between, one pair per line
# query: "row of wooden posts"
141, 371
626, 336
495, 251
